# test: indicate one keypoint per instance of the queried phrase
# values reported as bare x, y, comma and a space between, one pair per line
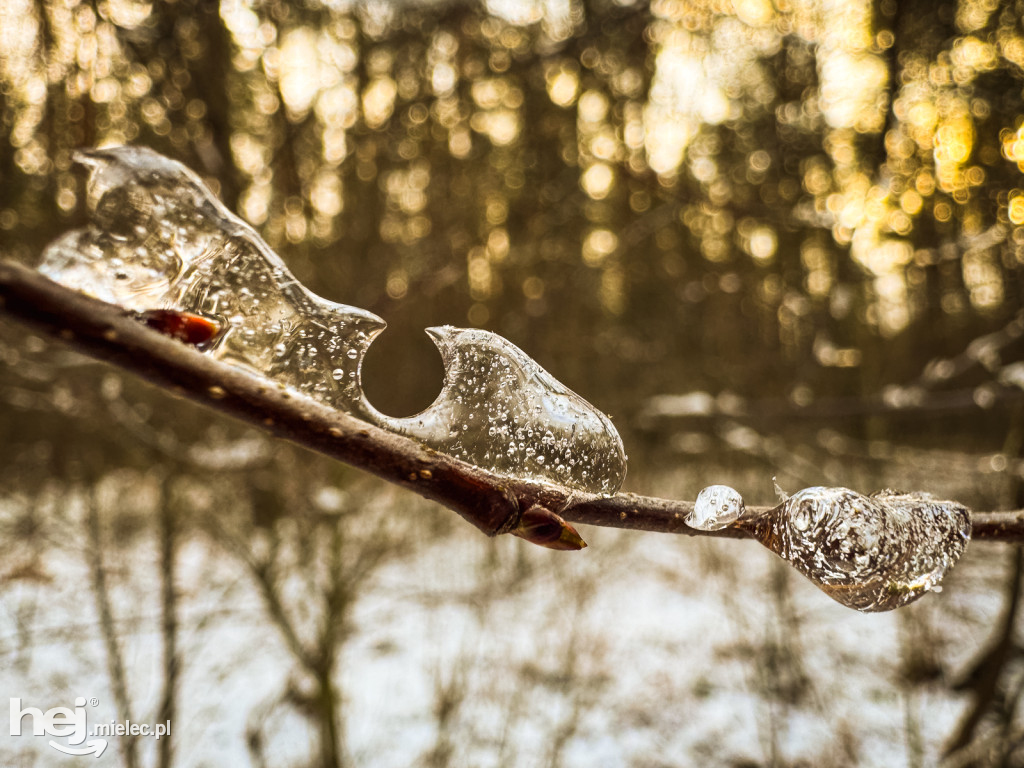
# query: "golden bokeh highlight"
808, 155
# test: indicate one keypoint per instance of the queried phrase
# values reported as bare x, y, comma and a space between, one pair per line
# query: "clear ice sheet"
871, 553
717, 506
159, 239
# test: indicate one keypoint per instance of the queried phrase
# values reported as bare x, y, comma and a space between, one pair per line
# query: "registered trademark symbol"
93, 701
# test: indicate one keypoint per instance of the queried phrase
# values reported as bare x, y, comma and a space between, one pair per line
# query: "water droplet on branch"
872, 553
716, 507
160, 243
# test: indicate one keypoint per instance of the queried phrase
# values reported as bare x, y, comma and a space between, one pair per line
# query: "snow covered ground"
642, 650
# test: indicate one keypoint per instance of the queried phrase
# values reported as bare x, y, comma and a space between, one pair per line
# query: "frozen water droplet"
716, 507
158, 239
872, 553
487, 376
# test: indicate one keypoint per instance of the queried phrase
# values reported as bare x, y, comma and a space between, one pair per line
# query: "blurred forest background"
772, 238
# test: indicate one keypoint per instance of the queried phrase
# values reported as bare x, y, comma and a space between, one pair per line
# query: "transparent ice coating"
499, 409
872, 553
716, 507
159, 239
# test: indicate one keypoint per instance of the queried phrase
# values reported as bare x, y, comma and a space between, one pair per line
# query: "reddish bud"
544, 528
188, 327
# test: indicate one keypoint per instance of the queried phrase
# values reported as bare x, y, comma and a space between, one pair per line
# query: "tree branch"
491, 502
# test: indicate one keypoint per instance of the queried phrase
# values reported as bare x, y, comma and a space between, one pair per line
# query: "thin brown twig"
167, 710
491, 502
114, 656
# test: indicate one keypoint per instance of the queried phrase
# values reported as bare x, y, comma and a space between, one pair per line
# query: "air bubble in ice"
716, 507
159, 239
872, 553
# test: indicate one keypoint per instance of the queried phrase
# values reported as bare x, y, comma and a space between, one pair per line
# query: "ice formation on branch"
158, 239
872, 553
501, 410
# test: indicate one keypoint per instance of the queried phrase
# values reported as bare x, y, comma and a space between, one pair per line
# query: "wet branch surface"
491, 502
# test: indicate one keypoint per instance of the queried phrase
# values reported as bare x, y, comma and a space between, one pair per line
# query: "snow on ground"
642, 650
